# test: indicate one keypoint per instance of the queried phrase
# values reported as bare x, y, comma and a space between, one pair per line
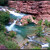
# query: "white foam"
45, 45
16, 14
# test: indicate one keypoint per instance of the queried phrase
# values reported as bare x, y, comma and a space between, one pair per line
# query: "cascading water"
18, 15
11, 26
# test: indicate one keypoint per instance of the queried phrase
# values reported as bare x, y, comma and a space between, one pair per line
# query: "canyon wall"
40, 9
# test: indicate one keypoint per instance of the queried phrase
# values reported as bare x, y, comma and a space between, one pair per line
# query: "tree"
2, 27
4, 17
3, 2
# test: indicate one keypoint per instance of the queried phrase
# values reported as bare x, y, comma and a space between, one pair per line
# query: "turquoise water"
25, 30
22, 31
15, 17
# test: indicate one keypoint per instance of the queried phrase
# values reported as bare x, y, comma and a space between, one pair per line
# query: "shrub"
34, 17
40, 22
29, 20
9, 38
2, 27
27, 42
9, 44
47, 39
12, 34
37, 48
4, 17
39, 31
18, 11
46, 22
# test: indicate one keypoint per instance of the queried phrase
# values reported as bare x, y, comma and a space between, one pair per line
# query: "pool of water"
22, 31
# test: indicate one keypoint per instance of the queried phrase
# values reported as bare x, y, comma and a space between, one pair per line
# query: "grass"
47, 39
9, 44
36, 48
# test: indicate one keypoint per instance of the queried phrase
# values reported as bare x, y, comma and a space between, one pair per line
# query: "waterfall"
19, 15
11, 26
44, 45
4, 9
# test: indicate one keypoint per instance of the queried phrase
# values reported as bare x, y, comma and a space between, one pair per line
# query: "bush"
9, 38
46, 22
4, 17
34, 18
39, 31
12, 34
9, 44
2, 27
40, 22
29, 20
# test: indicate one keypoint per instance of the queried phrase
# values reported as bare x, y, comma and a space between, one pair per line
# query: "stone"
40, 9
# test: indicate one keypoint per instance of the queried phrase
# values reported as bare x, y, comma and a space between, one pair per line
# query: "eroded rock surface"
40, 9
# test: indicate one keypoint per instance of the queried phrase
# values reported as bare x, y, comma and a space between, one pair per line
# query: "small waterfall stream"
11, 26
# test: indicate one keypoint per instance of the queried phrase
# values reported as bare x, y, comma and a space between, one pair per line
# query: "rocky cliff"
40, 9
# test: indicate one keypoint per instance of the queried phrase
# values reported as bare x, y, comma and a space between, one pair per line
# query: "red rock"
40, 9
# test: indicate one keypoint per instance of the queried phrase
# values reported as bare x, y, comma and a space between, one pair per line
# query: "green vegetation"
34, 17
39, 31
46, 22
18, 11
36, 48
4, 17
40, 22
12, 34
47, 39
6, 39
49, 47
3, 2
29, 20
9, 44
2, 27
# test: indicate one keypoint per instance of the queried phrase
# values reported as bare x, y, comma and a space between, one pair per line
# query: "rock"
39, 9
24, 19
